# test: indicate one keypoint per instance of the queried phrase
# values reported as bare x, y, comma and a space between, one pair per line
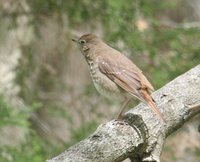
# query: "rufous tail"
149, 100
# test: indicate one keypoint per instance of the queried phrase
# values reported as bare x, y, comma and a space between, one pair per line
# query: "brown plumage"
113, 73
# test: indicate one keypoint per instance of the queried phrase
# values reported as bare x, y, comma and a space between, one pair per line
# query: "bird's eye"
82, 41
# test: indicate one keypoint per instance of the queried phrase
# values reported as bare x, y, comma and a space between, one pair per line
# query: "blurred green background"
47, 100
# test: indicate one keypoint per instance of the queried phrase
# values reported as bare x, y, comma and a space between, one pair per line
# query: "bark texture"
140, 134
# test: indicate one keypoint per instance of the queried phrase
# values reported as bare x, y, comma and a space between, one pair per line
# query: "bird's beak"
75, 39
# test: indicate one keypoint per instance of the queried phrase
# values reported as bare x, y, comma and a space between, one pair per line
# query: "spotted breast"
101, 82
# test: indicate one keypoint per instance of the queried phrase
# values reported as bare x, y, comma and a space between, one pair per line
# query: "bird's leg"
123, 107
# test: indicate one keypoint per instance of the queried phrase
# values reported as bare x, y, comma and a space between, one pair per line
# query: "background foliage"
59, 104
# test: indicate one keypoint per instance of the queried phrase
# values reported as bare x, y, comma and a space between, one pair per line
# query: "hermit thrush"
114, 74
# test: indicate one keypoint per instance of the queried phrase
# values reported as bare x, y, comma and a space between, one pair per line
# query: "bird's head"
86, 42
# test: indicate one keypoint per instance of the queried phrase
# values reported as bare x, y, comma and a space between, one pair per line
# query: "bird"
114, 74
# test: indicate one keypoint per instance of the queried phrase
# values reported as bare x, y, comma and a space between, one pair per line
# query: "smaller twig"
195, 107
187, 25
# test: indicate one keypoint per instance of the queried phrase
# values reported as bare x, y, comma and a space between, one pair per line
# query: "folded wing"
129, 78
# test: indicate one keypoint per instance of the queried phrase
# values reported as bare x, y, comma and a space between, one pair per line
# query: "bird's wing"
129, 79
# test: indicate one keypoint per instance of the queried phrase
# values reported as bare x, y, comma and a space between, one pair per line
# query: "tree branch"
141, 134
